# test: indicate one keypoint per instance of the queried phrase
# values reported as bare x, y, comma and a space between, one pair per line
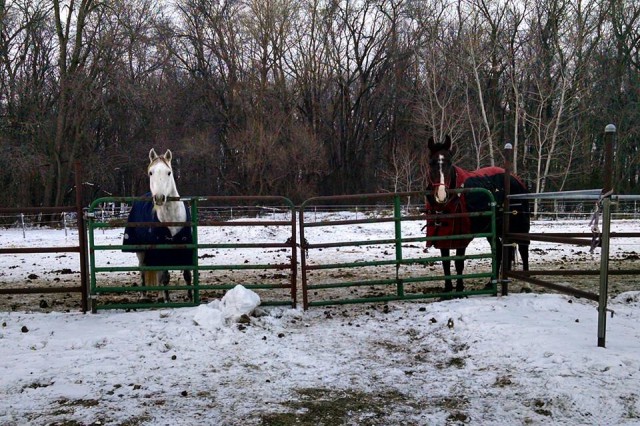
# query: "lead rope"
596, 235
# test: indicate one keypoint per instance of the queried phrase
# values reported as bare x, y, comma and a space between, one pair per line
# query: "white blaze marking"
441, 192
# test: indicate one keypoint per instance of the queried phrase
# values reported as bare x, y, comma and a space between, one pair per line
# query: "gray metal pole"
506, 247
604, 271
609, 140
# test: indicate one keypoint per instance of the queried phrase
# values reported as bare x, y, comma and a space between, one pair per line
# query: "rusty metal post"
294, 258
82, 239
505, 219
609, 141
303, 258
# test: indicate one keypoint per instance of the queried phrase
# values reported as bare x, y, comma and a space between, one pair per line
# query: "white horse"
163, 187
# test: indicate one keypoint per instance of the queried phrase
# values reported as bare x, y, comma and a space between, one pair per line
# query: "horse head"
161, 182
440, 169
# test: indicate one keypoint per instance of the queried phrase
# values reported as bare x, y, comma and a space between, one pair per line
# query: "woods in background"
312, 97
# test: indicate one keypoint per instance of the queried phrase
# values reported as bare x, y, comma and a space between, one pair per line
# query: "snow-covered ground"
520, 359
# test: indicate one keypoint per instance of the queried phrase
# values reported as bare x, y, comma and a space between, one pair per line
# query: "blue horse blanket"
142, 211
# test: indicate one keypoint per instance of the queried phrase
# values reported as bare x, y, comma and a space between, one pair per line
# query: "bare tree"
25, 102
307, 97
560, 52
443, 95
516, 66
623, 67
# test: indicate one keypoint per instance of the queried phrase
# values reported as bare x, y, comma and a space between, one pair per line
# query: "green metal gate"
113, 284
388, 266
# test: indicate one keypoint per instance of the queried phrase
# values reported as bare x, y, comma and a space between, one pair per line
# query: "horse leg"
523, 249
143, 294
165, 277
524, 255
511, 258
187, 278
446, 266
489, 285
498, 256
460, 268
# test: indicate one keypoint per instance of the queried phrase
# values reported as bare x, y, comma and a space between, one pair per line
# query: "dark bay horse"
160, 209
443, 176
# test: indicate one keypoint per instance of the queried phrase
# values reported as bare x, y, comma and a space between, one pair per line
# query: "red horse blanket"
488, 178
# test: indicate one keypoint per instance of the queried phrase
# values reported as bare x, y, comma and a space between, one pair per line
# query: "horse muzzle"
159, 199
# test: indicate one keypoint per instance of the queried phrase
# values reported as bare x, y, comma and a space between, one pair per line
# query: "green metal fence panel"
215, 268
401, 271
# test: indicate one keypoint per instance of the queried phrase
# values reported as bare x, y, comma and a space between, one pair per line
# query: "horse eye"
150, 173
168, 173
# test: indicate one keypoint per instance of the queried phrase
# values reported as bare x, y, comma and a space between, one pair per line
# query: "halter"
159, 199
435, 185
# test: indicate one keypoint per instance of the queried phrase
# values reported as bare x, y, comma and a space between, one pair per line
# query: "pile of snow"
220, 313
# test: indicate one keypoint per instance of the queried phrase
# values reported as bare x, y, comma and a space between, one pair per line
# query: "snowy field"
521, 359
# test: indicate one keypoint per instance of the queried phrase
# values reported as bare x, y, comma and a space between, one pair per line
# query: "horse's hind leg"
165, 277
524, 255
187, 278
446, 267
498, 254
460, 269
511, 258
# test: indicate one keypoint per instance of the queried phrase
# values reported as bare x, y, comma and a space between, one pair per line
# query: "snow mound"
236, 302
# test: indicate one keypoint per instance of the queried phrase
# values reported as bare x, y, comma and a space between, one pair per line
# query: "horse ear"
431, 144
447, 142
152, 155
168, 155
